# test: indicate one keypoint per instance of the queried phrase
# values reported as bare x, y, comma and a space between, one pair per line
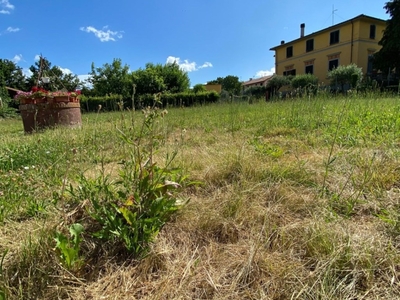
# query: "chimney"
282, 42
250, 79
302, 26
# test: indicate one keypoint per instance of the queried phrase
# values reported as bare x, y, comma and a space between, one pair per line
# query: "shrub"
108, 103
132, 210
256, 91
117, 102
181, 99
346, 75
304, 80
278, 81
199, 88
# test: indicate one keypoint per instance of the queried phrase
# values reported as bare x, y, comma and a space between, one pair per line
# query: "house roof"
257, 80
329, 29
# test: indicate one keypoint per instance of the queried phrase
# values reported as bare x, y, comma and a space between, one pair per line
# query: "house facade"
351, 41
213, 87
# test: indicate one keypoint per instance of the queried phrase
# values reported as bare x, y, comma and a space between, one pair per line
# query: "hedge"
117, 102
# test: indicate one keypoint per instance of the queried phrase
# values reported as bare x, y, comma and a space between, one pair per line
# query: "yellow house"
213, 87
352, 41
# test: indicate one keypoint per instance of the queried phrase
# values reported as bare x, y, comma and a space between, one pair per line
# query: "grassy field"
294, 199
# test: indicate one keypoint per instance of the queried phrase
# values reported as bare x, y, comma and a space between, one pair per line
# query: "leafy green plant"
134, 208
69, 249
278, 81
267, 149
346, 75
304, 80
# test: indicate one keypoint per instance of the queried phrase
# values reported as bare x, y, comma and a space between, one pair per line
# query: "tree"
304, 80
278, 81
112, 78
175, 79
160, 78
346, 75
229, 83
58, 79
256, 91
198, 88
148, 80
388, 56
11, 75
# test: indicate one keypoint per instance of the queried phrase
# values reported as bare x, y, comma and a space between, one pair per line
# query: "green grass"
298, 199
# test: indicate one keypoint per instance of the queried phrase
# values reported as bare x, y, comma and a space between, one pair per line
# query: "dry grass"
261, 226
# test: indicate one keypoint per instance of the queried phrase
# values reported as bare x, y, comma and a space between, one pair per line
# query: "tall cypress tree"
389, 55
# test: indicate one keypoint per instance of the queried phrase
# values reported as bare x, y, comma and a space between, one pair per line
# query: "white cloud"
84, 79
266, 72
103, 35
187, 66
27, 72
6, 7
65, 71
37, 57
17, 58
206, 65
11, 29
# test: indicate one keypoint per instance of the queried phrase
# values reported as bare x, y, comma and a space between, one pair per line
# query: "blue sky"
209, 39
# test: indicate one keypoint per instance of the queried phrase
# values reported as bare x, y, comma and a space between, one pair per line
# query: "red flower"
78, 92
35, 89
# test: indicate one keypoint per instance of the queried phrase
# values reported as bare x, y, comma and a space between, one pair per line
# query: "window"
309, 45
310, 69
370, 67
289, 51
372, 31
289, 72
334, 63
334, 37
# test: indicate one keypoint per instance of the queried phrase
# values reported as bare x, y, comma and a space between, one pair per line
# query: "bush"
198, 88
6, 111
117, 102
108, 103
132, 210
349, 75
256, 91
278, 81
181, 99
304, 80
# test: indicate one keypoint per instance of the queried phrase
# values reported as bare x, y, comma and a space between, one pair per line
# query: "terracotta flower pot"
50, 114
61, 99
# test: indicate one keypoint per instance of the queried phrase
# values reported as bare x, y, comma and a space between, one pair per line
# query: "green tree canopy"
11, 75
175, 79
111, 78
346, 75
229, 83
199, 88
278, 81
158, 78
304, 80
58, 79
389, 55
148, 80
